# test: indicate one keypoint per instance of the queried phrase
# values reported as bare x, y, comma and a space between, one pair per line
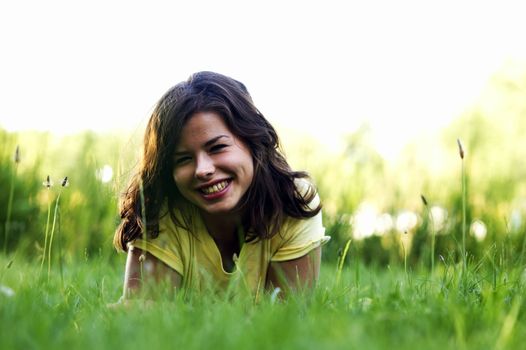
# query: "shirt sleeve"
299, 237
164, 247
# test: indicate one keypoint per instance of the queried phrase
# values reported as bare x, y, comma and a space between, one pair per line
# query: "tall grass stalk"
432, 228
405, 258
464, 254
10, 200
48, 184
341, 260
463, 179
55, 215
51, 237
59, 242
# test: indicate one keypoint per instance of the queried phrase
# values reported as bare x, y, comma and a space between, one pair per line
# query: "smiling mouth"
215, 188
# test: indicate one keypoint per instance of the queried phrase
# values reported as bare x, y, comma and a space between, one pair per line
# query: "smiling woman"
213, 168
214, 202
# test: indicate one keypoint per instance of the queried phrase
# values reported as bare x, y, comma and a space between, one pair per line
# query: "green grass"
380, 309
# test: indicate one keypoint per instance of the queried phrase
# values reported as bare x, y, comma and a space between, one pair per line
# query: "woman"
214, 202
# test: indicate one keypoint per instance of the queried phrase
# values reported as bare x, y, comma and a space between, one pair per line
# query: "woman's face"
213, 169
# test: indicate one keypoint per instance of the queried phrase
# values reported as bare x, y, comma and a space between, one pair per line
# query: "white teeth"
215, 188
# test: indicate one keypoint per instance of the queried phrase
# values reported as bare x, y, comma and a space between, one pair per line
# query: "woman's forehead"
202, 128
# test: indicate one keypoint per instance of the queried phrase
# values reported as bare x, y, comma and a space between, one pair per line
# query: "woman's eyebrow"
213, 140
180, 153
206, 144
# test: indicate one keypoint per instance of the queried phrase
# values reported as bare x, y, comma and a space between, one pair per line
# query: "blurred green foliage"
88, 207
492, 131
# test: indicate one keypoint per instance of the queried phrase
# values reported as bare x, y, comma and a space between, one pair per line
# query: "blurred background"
368, 97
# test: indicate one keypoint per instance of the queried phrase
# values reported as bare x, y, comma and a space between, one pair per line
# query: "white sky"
322, 67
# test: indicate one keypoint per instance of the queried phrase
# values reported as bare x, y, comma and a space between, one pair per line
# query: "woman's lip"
219, 194
201, 187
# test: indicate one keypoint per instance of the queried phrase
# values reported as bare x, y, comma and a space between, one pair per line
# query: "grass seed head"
16, 157
65, 182
48, 183
424, 200
460, 149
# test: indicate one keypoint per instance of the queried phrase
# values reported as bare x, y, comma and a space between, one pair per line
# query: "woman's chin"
222, 208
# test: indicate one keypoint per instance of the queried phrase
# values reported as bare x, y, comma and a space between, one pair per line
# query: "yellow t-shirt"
195, 256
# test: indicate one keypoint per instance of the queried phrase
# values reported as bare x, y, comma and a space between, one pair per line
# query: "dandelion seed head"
439, 217
406, 221
384, 223
105, 174
478, 230
363, 221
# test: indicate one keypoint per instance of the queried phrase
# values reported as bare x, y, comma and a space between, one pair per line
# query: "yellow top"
195, 256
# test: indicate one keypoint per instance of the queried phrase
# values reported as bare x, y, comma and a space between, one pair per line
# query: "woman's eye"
181, 160
218, 147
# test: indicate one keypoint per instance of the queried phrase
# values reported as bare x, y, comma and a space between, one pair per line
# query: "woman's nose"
204, 168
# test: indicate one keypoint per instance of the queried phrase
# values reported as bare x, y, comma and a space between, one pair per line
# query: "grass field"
370, 308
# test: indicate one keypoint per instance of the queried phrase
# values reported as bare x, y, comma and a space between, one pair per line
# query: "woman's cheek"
179, 176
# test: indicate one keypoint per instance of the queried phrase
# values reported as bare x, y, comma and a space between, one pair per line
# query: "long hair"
272, 195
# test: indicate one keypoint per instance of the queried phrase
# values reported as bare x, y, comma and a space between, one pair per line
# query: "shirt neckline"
217, 258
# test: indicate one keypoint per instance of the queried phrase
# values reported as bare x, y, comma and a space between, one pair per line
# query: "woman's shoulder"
292, 225
303, 184
172, 239
298, 235
307, 189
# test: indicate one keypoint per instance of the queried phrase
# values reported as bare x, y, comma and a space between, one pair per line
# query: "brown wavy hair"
272, 195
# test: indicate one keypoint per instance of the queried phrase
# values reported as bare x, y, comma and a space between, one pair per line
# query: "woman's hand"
293, 275
146, 275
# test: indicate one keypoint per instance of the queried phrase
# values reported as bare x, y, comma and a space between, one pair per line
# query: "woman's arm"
296, 274
146, 274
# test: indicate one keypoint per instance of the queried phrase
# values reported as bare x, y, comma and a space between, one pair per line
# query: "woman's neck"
223, 228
